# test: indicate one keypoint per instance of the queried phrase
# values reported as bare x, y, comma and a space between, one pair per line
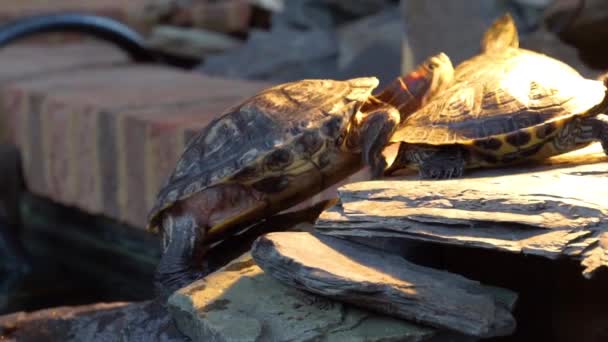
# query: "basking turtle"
274, 150
505, 105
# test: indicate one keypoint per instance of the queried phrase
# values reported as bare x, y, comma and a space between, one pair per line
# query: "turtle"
273, 150
505, 105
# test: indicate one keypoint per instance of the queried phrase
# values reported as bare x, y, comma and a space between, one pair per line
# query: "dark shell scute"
532, 151
545, 130
488, 144
527, 118
519, 138
332, 127
278, 159
308, 143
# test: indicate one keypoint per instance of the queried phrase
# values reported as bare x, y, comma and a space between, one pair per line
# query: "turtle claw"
437, 172
439, 163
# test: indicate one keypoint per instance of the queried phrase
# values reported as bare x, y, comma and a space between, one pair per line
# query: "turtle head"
380, 117
413, 90
501, 35
421, 84
433, 75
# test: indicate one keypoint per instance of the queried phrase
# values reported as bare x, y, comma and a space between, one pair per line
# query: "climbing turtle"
275, 149
505, 105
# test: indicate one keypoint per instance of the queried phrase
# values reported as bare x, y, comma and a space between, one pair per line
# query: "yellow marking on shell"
506, 147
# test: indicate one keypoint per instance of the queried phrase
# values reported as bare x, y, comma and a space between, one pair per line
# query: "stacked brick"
101, 134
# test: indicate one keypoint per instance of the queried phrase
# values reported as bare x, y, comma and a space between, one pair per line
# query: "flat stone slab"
119, 321
241, 303
386, 283
554, 210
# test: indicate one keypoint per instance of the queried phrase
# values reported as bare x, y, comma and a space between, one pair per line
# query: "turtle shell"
310, 112
499, 96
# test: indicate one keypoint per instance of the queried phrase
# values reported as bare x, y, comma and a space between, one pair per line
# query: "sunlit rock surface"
386, 283
241, 303
134, 322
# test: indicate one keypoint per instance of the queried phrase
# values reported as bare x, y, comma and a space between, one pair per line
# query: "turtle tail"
501, 35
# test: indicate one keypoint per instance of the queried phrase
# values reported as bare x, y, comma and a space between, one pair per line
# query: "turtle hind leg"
376, 130
438, 163
183, 248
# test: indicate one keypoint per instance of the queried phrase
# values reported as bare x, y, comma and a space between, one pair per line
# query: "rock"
548, 43
383, 282
303, 15
220, 16
144, 321
282, 55
241, 303
454, 27
324, 14
371, 46
269, 5
193, 43
547, 211
584, 25
360, 8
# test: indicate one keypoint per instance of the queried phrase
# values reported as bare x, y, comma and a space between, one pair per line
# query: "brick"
56, 148
85, 159
105, 137
118, 9
27, 61
136, 86
11, 102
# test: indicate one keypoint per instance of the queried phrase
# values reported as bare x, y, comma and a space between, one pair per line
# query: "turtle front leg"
376, 130
432, 162
183, 248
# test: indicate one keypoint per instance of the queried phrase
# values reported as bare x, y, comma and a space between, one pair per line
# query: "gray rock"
584, 25
371, 46
360, 8
324, 14
572, 224
384, 282
189, 42
241, 303
454, 27
304, 15
145, 321
281, 55
269, 5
